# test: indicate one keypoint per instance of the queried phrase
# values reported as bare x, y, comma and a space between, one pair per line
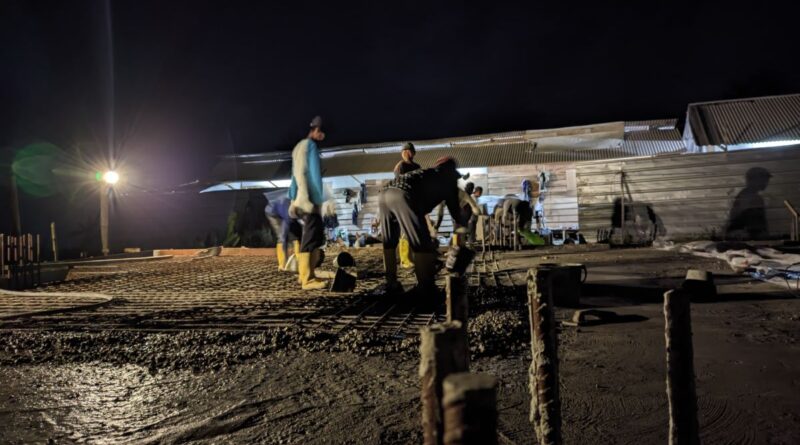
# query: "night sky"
184, 82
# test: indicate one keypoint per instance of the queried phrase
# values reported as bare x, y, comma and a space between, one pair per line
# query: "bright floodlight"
111, 177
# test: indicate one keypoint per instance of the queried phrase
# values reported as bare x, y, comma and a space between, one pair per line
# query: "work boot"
307, 280
390, 267
281, 254
316, 255
405, 254
425, 270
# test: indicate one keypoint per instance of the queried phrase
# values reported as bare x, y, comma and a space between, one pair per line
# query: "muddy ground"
67, 381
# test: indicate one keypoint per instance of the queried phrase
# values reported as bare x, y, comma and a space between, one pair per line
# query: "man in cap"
307, 197
407, 164
403, 204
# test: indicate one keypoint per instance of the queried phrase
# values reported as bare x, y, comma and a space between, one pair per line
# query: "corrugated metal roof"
650, 138
572, 144
745, 121
652, 124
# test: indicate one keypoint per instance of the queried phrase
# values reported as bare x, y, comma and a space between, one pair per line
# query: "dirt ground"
153, 368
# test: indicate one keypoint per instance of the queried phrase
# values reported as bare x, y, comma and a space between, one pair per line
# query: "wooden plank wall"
366, 212
561, 199
691, 194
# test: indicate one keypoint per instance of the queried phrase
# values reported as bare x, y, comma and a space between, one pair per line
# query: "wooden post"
444, 351
16, 219
104, 190
622, 204
543, 373
470, 409
54, 241
457, 302
515, 234
683, 426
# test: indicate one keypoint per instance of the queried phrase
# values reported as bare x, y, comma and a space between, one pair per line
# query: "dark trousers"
398, 216
285, 230
313, 233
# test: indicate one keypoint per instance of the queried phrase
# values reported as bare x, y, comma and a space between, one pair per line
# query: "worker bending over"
285, 227
517, 213
403, 204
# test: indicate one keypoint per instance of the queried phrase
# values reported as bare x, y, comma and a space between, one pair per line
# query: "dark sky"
186, 81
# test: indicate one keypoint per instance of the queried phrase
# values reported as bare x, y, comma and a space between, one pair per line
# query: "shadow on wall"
640, 218
748, 219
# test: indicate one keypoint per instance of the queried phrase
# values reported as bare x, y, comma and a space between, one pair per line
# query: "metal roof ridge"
743, 99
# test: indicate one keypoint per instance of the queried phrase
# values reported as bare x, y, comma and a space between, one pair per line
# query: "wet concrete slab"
113, 375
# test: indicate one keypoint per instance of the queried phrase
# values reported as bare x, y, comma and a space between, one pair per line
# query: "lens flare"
111, 177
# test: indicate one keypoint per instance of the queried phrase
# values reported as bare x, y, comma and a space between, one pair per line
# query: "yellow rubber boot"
304, 272
296, 246
405, 254
281, 254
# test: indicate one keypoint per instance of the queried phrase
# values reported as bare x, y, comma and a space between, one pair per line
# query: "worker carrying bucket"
403, 204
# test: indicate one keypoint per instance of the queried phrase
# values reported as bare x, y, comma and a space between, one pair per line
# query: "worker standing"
307, 196
403, 204
406, 165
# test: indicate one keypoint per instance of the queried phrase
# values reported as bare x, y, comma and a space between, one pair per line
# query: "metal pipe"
104, 219
794, 230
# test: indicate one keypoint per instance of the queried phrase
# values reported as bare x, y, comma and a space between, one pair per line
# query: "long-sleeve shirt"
426, 188
306, 175
404, 167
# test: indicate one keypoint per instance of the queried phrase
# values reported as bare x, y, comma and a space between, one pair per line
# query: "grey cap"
316, 122
409, 146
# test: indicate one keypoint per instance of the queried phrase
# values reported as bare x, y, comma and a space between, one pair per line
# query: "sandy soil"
205, 386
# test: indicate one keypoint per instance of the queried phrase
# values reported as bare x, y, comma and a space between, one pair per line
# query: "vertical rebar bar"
683, 425
457, 302
53, 240
543, 372
443, 351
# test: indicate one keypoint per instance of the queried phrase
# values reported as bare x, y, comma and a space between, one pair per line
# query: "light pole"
109, 179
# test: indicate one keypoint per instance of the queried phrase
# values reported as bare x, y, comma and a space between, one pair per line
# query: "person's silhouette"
748, 217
